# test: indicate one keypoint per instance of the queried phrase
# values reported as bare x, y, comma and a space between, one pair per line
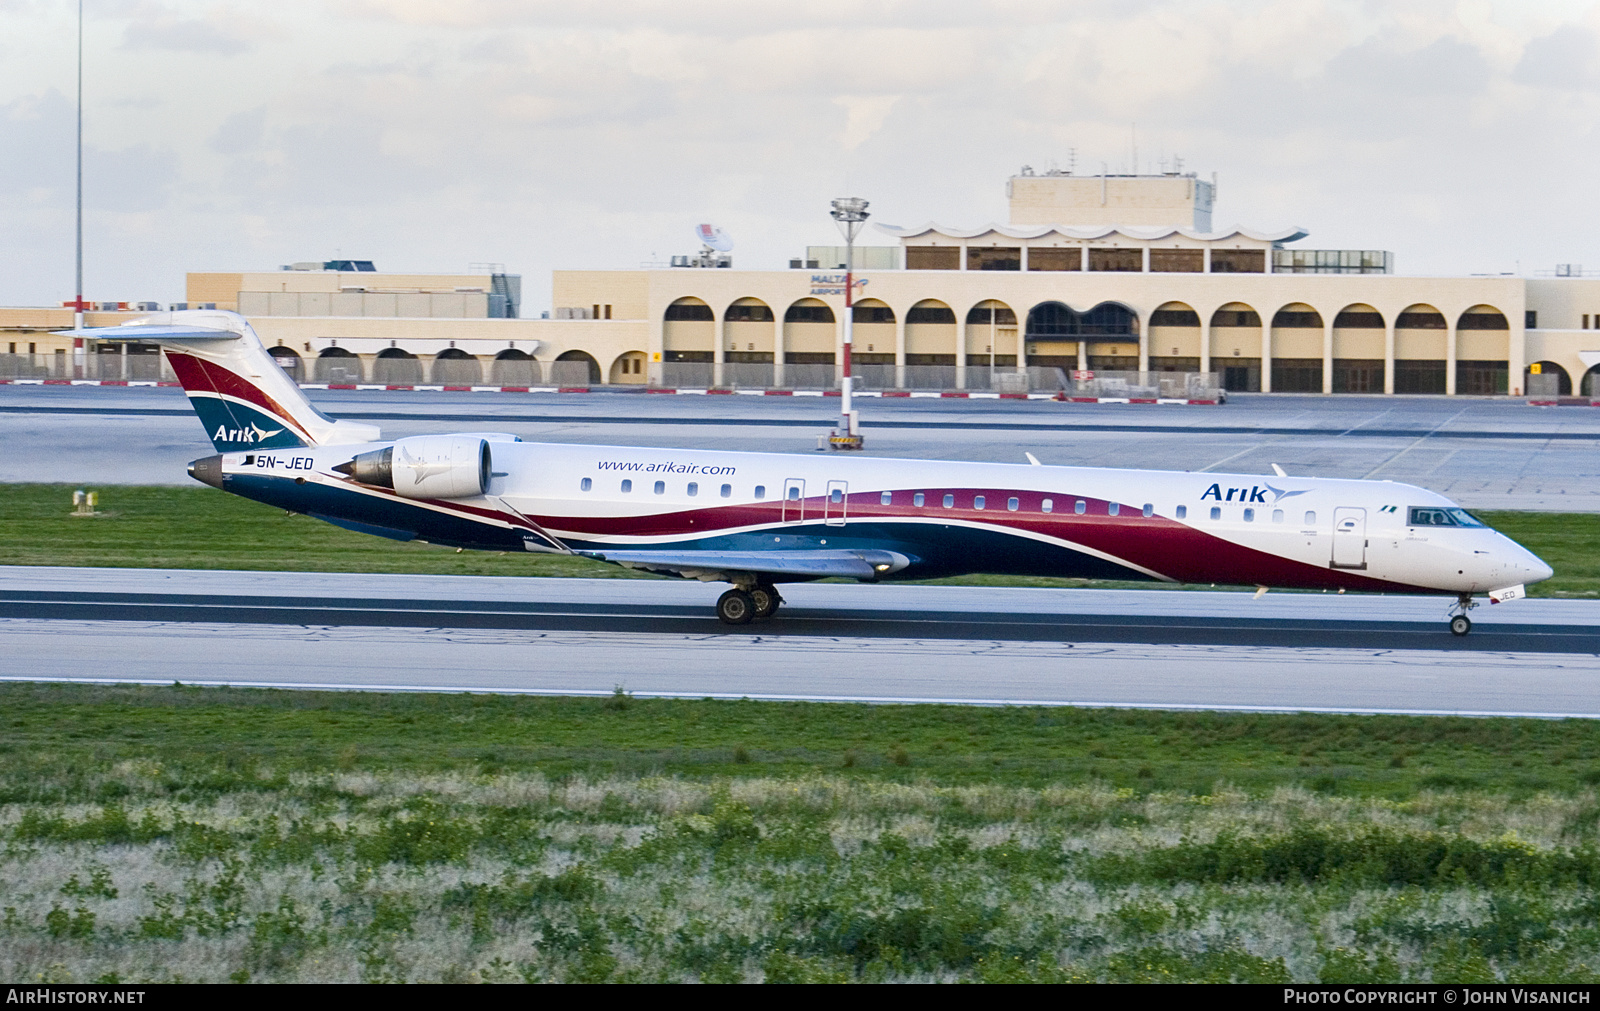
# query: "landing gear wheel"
767, 600
1460, 625
736, 607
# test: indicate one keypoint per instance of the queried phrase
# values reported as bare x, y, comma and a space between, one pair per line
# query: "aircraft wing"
717, 566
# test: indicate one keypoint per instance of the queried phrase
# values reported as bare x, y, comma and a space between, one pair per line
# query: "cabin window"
1080, 507
1047, 506
1311, 517
1113, 508
1277, 515
1216, 512
1182, 512
887, 498
1012, 504
836, 496
586, 484
1249, 515
727, 491
627, 486
917, 500
761, 491
1149, 510
661, 487
949, 501
977, 503
694, 489
794, 493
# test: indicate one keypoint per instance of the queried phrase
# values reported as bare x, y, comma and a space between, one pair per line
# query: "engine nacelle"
427, 466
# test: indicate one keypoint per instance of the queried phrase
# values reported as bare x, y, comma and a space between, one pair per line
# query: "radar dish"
714, 237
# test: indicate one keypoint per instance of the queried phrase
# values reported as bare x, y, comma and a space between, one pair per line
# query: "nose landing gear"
1460, 624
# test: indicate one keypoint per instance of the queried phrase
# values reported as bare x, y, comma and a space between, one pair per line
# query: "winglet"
1278, 471
1033, 459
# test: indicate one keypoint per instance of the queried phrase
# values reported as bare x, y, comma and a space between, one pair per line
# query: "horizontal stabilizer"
151, 333
718, 565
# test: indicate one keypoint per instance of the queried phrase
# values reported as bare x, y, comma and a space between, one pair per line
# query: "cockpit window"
1437, 516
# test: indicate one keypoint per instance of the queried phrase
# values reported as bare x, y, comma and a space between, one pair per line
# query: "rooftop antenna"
714, 238
1133, 146
1072, 160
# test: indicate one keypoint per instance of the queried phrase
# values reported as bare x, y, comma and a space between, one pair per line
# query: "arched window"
930, 312
1052, 320
1550, 380
809, 311
686, 310
1109, 319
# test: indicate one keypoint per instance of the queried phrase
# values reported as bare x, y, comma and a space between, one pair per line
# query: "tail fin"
240, 393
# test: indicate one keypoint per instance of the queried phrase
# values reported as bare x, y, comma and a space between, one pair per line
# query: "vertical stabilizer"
243, 397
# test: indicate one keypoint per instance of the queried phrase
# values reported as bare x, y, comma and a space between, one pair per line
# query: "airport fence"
134, 367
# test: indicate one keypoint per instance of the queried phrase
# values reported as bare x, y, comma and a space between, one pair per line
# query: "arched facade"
397, 367
1483, 351
749, 343
575, 369
688, 332
1174, 338
629, 369
931, 344
1547, 379
454, 367
1295, 346
1421, 343
1236, 346
810, 336
288, 360
1360, 350
512, 367
337, 366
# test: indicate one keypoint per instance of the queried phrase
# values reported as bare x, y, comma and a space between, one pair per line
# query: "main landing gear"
740, 606
1460, 624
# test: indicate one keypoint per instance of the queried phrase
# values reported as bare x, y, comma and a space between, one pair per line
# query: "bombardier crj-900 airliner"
757, 520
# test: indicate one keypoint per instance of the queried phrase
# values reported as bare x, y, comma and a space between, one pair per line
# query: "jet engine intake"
426, 466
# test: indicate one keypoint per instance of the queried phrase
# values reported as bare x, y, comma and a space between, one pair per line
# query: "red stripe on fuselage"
1155, 543
198, 374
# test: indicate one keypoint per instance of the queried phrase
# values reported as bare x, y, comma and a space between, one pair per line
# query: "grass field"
200, 528
179, 833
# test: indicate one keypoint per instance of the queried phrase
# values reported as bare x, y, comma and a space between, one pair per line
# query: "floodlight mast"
850, 213
77, 301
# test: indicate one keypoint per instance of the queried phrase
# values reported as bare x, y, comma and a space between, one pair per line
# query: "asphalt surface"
1161, 649
1487, 453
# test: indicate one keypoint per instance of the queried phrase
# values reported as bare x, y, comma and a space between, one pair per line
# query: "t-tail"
243, 397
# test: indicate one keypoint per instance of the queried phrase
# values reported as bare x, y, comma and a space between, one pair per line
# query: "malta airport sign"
833, 284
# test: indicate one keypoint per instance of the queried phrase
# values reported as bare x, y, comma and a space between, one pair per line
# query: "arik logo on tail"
1254, 493
255, 433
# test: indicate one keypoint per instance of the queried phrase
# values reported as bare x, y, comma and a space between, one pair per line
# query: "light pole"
850, 213
77, 301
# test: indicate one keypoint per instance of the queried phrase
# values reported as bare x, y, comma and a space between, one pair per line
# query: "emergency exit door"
1349, 538
833, 506
794, 500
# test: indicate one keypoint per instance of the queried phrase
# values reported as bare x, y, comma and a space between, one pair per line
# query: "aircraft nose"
1538, 570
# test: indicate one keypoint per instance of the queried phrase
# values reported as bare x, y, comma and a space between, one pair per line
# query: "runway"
1158, 648
1487, 453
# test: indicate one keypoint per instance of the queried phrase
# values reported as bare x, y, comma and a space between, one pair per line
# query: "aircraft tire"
1460, 625
736, 607
767, 600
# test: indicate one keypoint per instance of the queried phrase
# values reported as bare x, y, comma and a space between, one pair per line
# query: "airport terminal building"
1119, 274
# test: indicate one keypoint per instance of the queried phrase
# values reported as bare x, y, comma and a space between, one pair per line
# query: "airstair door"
1349, 538
794, 500
833, 506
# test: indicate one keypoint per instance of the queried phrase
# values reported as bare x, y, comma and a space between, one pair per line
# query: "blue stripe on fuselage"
939, 549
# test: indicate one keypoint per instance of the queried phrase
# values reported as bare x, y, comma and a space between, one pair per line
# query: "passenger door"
833, 508
1349, 538
794, 500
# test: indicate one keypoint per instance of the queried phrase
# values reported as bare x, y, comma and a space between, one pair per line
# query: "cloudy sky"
430, 134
